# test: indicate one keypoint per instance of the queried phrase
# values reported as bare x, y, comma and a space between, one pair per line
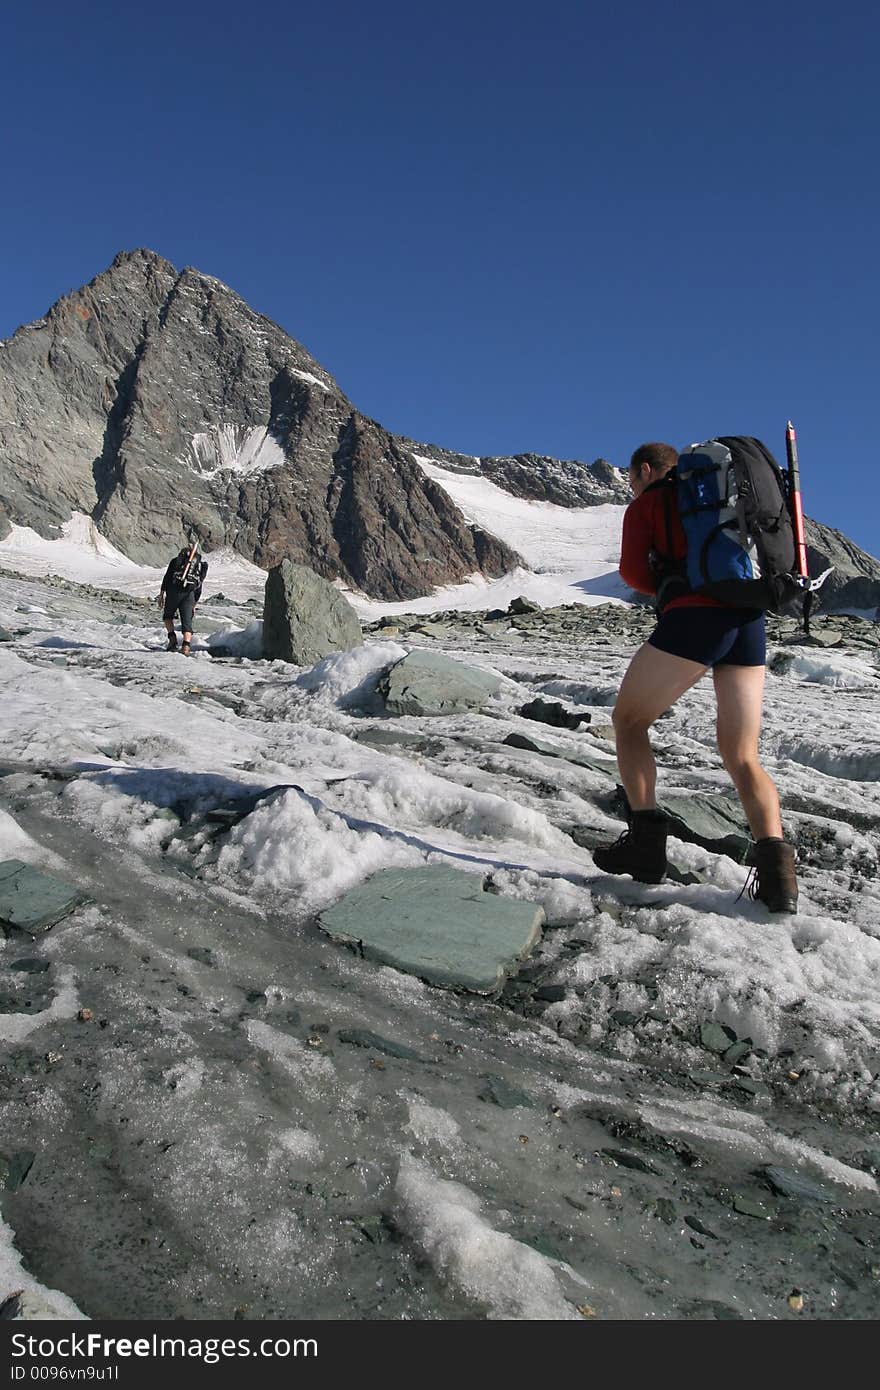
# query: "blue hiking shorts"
712, 636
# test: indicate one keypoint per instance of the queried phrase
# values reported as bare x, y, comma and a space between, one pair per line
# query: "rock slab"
428, 683
305, 618
31, 900
439, 924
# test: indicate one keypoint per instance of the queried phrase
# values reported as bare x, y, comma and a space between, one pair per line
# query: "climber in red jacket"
693, 634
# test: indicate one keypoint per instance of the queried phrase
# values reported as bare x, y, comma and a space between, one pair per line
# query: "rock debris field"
234, 1085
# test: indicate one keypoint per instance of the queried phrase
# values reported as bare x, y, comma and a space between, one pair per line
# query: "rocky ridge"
536, 477
157, 401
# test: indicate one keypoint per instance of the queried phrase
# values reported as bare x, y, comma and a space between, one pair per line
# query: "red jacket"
644, 531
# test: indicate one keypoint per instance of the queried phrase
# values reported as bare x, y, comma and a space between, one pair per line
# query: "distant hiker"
181, 591
693, 634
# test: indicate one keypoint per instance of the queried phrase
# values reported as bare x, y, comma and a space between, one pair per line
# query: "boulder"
428, 683
439, 924
305, 618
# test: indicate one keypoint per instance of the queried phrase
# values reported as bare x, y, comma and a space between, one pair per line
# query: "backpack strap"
671, 575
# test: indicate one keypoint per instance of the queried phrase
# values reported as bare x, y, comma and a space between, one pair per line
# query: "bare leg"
739, 695
654, 680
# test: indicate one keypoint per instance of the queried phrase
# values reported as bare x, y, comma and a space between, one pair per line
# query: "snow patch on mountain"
234, 449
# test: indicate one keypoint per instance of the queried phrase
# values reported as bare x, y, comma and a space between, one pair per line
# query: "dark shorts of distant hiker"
182, 601
713, 636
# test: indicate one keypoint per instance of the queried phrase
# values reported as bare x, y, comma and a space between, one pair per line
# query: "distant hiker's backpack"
188, 573
733, 504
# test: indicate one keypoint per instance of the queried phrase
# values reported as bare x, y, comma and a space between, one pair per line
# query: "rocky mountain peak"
154, 400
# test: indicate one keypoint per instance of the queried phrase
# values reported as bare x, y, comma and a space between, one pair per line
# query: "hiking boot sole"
644, 877
780, 904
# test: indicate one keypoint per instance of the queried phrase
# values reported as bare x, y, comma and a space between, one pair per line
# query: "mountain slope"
155, 401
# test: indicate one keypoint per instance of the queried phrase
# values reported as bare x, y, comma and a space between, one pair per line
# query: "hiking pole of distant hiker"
797, 518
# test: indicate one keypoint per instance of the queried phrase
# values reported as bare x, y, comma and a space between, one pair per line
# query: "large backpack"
189, 570
733, 504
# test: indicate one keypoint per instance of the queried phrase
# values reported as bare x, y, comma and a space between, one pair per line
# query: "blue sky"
562, 228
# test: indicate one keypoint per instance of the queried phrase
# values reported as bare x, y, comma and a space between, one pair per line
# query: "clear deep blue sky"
557, 227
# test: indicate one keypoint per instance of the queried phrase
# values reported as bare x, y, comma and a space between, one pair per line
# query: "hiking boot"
775, 882
172, 642
640, 850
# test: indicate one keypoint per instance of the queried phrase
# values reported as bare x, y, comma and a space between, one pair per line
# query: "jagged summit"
154, 399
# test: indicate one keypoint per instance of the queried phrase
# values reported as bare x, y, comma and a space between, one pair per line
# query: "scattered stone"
499, 1092
751, 1088
747, 1207
625, 1018
203, 954
683, 876
553, 713
551, 994
785, 1183
551, 750
715, 1037
5, 636
588, 837
428, 684
437, 923
31, 965
15, 1168
34, 901
434, 629
362, 1037
665, 1210
737, 1051
520, 604
696, 1225
628, 1160
305, 618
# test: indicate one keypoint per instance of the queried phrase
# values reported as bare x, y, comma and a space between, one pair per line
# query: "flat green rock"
439, 924
715, 822
428, 683
31, 900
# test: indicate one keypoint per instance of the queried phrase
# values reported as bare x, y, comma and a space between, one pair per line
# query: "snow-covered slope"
572, 554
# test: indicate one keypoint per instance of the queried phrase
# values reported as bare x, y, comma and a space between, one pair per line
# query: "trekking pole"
797, 519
